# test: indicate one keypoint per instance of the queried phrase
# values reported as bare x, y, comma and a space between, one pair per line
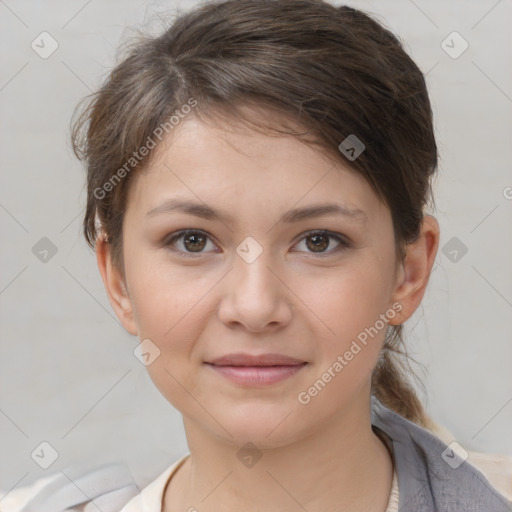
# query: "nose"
255, 296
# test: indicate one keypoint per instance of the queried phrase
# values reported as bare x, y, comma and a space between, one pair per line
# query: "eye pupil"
197, 241
193, 242
319, 241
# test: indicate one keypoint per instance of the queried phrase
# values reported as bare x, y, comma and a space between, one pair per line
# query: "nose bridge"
254, 295
252, 268
254, 271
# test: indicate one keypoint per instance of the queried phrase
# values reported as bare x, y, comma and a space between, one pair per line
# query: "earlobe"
115, 286
414, 274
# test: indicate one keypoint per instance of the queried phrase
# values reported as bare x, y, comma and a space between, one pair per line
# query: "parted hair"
333, 71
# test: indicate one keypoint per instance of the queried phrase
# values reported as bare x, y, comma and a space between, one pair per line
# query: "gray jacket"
431, 477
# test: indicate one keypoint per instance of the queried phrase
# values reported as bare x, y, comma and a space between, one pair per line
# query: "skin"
292, 299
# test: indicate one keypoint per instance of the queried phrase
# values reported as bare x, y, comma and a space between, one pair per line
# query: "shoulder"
497, 468
456, 478
108, 488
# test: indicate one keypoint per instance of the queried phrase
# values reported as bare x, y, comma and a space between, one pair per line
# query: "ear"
115, 286
414, 273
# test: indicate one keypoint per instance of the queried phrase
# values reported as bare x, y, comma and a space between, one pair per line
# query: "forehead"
236, 167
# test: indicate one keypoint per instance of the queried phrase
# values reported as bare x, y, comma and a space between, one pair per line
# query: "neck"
342, 466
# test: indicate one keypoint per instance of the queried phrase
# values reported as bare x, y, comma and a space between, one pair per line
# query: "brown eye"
317, 242
194, 242
188, 243
191, 242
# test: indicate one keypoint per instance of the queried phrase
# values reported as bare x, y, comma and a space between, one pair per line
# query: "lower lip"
257, 375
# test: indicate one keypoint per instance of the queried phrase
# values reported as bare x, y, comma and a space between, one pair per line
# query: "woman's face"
253, 278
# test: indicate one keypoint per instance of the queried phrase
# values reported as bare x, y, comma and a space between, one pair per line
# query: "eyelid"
343, 241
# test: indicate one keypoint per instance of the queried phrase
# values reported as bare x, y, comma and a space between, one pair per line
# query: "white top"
151, 497
65, 496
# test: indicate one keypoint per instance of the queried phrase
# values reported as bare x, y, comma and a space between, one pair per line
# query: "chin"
266, 427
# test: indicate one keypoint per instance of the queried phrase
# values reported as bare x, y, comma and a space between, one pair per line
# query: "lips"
241, 359
256, 370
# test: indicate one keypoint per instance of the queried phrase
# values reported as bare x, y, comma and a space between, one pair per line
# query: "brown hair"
333, 71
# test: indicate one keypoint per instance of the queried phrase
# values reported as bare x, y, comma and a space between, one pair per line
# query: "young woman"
258, 178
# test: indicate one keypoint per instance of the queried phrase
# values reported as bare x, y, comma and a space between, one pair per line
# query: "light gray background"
68, 375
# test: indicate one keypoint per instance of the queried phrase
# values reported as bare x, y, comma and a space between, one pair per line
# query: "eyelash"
344, 244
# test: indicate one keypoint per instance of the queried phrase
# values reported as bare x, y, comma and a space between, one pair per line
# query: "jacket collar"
426, 482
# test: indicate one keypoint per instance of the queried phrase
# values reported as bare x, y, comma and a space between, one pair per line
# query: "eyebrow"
296, 215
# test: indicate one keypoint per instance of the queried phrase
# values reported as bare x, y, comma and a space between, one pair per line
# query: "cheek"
348, 302
355, 314
167, 310
164, 297
169, 306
